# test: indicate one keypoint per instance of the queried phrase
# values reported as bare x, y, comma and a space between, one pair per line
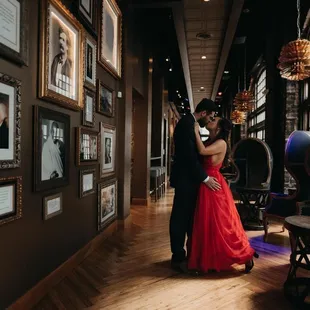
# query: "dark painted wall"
30, 247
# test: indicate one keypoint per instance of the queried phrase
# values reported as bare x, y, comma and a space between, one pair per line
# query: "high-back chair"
254, 162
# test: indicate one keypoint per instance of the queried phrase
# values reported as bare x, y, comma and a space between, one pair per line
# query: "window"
256, 119
305, 106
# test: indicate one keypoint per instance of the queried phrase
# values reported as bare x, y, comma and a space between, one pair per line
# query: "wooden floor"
131, 271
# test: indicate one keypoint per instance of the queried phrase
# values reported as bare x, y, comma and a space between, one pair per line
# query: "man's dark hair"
206, 105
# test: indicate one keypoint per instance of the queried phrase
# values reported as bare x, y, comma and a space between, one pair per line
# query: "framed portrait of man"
107, 149
90, 62
10, 127
107, 203
87, 146
14, 25
52, 148
105, 100
110, 38
61, 56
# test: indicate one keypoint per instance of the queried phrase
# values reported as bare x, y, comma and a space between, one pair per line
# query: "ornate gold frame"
44, 92
116, 72
18, 198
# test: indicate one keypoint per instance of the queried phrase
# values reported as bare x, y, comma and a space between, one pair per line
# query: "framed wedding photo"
87, 182
89, 108
10, 127
61, 56
107, 150
14, 36
86, 146
85, 10
52, 206
107, 203
10, 199
52, 148
110, 38
90, 62
105, 100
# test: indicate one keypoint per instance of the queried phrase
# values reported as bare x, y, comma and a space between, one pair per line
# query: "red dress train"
218, 239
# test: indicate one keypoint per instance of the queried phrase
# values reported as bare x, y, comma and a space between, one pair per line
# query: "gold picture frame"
10, 188
61, 65
109, 56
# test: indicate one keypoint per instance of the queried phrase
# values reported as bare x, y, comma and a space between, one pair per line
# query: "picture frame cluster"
72, 41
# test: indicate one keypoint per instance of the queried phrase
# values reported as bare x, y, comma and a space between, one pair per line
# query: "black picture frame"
40, 116
88, 21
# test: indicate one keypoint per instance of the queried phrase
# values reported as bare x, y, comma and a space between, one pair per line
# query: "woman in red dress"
218, 240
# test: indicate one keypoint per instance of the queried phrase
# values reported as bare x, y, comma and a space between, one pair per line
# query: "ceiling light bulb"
201, 87
170, 69
220, 94
226, 72
167, 59
203, 57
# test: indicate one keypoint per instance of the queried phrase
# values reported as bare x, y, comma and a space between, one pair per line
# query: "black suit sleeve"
191, 153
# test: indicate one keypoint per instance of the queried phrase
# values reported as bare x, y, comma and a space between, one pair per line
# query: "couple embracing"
203, 207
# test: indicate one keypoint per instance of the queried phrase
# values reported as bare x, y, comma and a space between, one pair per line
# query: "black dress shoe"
179, 266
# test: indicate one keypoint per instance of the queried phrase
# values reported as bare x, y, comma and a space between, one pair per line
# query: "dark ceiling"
158, 26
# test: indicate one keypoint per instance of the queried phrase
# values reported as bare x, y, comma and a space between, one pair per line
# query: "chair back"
254, 162
297, 162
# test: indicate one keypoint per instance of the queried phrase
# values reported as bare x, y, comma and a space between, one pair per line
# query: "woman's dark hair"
225, 127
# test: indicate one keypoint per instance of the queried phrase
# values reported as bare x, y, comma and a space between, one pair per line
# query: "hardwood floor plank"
131, 270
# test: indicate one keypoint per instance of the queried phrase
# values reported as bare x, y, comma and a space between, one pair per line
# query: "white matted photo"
107, 203
10, 113
108, 149
90, 62
14, 26
89, 108
52, 205
10, 199
110, 37
87, 182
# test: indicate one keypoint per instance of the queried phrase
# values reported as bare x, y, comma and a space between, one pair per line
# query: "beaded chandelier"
238, 117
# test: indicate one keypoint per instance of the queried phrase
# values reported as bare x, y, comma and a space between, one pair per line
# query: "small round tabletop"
298, 224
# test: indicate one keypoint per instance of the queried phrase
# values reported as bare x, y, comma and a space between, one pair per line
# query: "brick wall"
291, 124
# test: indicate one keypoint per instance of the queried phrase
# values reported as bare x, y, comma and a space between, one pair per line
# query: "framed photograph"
10, 199
107, 203
10, 114
52, 148
105, 100
89, 108
85, 10
110, 38
86, 146
61, 56
90, 63
52, 206
107, 150
14, 25
87, 182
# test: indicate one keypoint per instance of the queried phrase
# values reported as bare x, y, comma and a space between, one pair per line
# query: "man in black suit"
186, 176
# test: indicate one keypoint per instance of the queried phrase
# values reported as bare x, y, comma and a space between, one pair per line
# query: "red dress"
218, 239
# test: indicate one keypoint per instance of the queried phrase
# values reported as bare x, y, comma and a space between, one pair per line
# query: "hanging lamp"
244, 100
237, 117
295, 56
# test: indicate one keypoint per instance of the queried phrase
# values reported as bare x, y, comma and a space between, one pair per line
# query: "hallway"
130, 270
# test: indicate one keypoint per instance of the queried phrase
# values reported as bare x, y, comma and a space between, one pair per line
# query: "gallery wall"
33, 246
